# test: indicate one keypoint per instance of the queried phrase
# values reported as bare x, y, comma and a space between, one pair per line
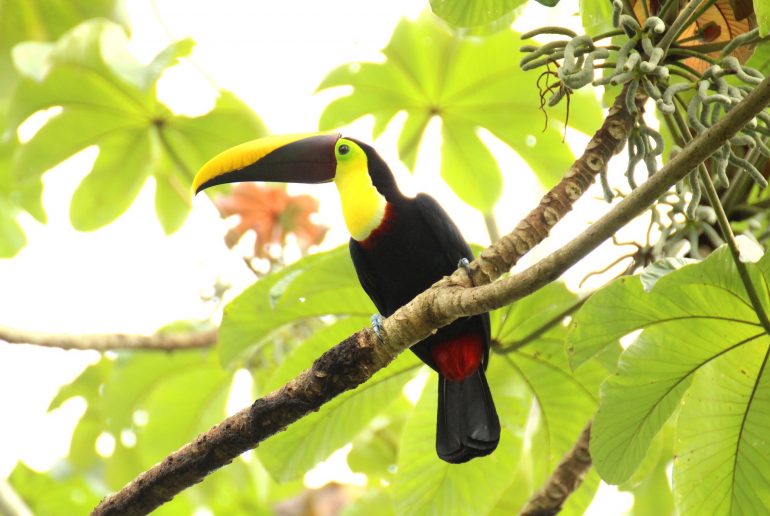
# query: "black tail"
467, 426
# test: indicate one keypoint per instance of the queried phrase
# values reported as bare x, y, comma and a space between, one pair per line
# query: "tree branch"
354, 360
565, 479
111, 342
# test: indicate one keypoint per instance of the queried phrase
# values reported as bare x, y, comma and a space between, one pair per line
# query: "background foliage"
692, 386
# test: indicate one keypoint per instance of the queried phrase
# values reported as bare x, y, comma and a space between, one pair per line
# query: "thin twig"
111, 342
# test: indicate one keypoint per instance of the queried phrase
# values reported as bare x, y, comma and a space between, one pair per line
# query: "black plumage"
414, 246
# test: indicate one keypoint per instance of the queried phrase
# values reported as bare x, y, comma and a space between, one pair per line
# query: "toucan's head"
364, 181
299, 158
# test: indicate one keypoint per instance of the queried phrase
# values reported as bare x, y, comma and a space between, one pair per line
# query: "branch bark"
111, 342
354, 360
565, 479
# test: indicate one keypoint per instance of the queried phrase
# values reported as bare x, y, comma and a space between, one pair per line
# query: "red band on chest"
458, 358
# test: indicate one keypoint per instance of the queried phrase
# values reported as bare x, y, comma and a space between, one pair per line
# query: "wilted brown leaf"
272, 214
720, 23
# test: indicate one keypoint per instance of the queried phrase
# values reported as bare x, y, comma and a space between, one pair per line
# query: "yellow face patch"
362, 205
242, 156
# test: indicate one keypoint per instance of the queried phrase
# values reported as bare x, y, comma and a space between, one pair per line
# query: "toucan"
400, 246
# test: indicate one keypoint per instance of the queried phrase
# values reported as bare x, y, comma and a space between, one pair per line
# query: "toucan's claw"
377, 325
465, 264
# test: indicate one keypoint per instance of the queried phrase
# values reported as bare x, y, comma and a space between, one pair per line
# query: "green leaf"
427, 485
762, 12
108, 99
316, 285
372, 503
288, 455
722, 458
51, 494
463, 14
693, 317
115, 180
597, 16
564, 399
591, 331
548, 3
12, 238
760, 59
164, 400
42, 20
470, 84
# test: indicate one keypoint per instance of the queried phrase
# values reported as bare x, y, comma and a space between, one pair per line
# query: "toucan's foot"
465, 264
377, 325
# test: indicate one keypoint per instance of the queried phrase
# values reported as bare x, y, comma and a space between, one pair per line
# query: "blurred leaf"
303, 355
163, 400
318, 284
288, 455
272, 214
108, 99
463, 14
548, 3
650, 484
761, 57
565, 399
42, 20
696, 316
372, 503
53, 494
597, 16
471, 84
12, 238
427, 485
762, 11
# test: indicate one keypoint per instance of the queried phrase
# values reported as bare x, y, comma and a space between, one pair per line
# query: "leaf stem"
681, 21
726, 229
492, 229
534, 334
727, 233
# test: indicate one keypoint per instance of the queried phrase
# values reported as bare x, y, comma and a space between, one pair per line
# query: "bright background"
129, 277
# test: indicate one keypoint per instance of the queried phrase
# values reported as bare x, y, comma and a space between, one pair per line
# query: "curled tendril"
740, 40
694, 182
666, 103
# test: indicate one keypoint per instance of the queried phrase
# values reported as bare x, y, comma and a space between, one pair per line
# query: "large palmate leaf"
469, 83
41, 20
108, 99
288, 455
425, 484
317, 285
464, 14
531, 333
150, 404
164, 400
701, 340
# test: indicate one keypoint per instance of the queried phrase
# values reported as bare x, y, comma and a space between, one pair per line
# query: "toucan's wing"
367, 277
453, 245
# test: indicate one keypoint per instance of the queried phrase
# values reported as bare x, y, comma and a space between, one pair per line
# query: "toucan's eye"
343, 149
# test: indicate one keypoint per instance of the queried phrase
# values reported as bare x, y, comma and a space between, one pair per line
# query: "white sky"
129, 277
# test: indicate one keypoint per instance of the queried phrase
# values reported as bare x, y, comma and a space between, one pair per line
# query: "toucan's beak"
286, 159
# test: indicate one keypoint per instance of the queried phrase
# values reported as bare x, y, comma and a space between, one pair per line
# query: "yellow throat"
362, 205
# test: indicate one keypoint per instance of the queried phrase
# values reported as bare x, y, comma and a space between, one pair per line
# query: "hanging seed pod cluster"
689, 59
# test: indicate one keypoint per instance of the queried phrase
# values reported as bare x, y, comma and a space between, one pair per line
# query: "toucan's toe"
377, 325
